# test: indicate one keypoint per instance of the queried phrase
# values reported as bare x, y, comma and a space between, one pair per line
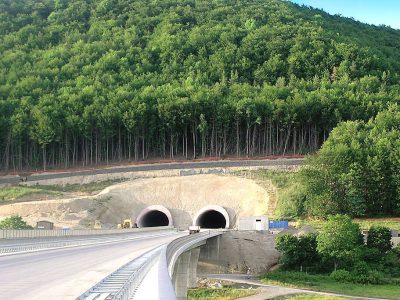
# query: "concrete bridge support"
194, 258
185, 273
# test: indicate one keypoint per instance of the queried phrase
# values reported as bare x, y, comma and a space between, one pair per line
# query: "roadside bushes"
14, 222
298, 252
369, 277
340, 246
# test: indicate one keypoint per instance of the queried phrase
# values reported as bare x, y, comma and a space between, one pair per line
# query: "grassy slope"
220, 294
288, 186
309, 297
10, 194
324, 283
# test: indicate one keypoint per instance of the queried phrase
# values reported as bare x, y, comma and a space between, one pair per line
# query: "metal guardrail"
36, 233
123, 283
48, 245
178, 246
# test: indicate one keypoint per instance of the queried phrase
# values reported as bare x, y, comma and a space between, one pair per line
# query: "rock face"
238, 251
183, 196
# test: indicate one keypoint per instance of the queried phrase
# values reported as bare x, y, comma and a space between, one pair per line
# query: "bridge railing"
178, 246
39, 233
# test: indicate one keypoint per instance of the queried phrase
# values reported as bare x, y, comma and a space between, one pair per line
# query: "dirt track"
14, 179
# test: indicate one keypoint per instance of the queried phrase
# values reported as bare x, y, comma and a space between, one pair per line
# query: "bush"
380, 238
341, 276
14, 222
361, 274
375, 277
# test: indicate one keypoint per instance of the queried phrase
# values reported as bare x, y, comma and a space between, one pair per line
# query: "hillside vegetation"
85, 82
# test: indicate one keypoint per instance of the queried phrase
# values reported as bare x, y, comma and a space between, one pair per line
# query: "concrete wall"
396, 241
236, 251
251, 223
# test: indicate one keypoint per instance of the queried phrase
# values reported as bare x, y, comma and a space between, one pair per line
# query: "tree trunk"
44, 156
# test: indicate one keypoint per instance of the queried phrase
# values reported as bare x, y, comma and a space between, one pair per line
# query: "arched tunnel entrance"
212, 217
154, 216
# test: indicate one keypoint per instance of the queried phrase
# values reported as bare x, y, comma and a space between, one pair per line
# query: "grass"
82, 188
309, 297
290, 191
288, 188
364, 223
9, 194
220, 294
326, 284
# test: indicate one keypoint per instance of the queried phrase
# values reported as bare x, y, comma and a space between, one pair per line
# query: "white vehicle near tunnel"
194, 229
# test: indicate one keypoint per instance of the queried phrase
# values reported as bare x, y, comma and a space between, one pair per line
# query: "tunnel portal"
212, 217
153, 219
154, 216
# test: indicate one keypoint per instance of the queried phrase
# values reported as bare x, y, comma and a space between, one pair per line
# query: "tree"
298, 252
87, 82
380, 238
338, 239
356, 171
14, 222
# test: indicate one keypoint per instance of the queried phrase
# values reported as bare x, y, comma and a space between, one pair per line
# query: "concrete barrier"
39, 233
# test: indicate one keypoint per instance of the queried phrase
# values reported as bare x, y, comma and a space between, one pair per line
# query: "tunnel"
212, 217
154, 216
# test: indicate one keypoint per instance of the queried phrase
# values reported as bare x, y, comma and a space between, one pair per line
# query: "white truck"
194, 229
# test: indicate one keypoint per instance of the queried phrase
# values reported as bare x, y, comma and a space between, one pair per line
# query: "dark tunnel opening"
154, 218
211, 219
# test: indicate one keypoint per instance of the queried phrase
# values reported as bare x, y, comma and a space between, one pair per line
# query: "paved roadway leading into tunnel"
162, 166
67, 273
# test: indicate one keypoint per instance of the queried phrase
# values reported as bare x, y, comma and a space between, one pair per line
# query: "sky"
377, 12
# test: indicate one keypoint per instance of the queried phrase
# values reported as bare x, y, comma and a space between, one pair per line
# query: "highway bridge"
157, 264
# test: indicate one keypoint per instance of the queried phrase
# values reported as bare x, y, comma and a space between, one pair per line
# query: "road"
164, 166
66, 273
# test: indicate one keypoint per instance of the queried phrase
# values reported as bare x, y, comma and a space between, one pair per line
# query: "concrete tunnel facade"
212, 216
154, 216
211, 201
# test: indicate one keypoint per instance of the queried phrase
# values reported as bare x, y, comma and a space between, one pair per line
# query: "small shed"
254, 223
44, 225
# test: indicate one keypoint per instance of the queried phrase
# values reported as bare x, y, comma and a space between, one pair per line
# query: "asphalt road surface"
163, 166
67, 273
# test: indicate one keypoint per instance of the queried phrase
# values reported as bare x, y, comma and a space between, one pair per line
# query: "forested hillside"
86, 82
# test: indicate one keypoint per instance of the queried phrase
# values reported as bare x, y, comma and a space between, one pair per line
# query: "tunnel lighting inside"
211, 219
154, 216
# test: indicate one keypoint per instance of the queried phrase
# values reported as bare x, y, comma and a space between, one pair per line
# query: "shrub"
14, 222
341, 276
379, 237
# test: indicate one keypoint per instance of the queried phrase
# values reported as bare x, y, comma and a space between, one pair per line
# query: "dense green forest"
357, 170
88, 82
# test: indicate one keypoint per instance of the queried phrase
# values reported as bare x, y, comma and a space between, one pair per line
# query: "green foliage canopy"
86, 82
14, 222
339, 239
